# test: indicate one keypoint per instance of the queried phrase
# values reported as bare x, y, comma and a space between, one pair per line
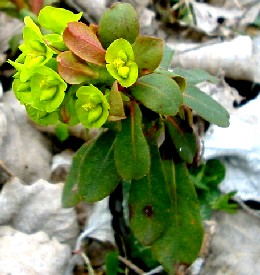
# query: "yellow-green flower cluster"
91, 107
61, 62
121, 62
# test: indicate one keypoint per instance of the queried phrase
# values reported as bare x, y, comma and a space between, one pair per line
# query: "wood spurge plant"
110, 76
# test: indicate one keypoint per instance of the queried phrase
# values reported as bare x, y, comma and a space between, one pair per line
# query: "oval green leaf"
206, 106
159, 93
120, 21
183, 138
148, 53
167, 57
181, 243
195, 76
132, 156
149, 202
93, 171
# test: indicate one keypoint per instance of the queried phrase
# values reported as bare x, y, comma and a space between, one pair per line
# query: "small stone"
235, 246
60, 166
37, 207
32, 254
23, 149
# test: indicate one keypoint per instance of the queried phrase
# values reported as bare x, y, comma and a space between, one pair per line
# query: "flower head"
44, 91
120, 62
91, 106
34, 51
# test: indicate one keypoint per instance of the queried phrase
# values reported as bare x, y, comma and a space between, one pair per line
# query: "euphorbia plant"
112, 77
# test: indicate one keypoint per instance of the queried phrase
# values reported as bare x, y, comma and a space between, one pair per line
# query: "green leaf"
213, 173
222, 203
167, 57
55, 40
93, 171
98, 176
148, 53
70, 194
56, 19
209, 175
132, 156
195, 76
183, 138
149, 202
140, 253
120, 21
22, 91
67, 109
180, 80
62, 131
42, 117
158, 93
112, 263
206, 106
181, 243
83, 42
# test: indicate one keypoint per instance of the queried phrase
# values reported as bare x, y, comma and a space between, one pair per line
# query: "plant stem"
131, 265
89, 266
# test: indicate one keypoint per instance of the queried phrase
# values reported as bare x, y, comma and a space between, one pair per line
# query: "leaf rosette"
91, 107
121, 62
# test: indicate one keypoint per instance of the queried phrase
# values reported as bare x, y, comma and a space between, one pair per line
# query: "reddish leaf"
116, 111
74, 70
83, 42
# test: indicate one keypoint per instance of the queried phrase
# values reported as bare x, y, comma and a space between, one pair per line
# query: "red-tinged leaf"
148, 53
83, 42
74, 70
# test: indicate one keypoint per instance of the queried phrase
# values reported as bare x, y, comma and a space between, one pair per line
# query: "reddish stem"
36, 6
